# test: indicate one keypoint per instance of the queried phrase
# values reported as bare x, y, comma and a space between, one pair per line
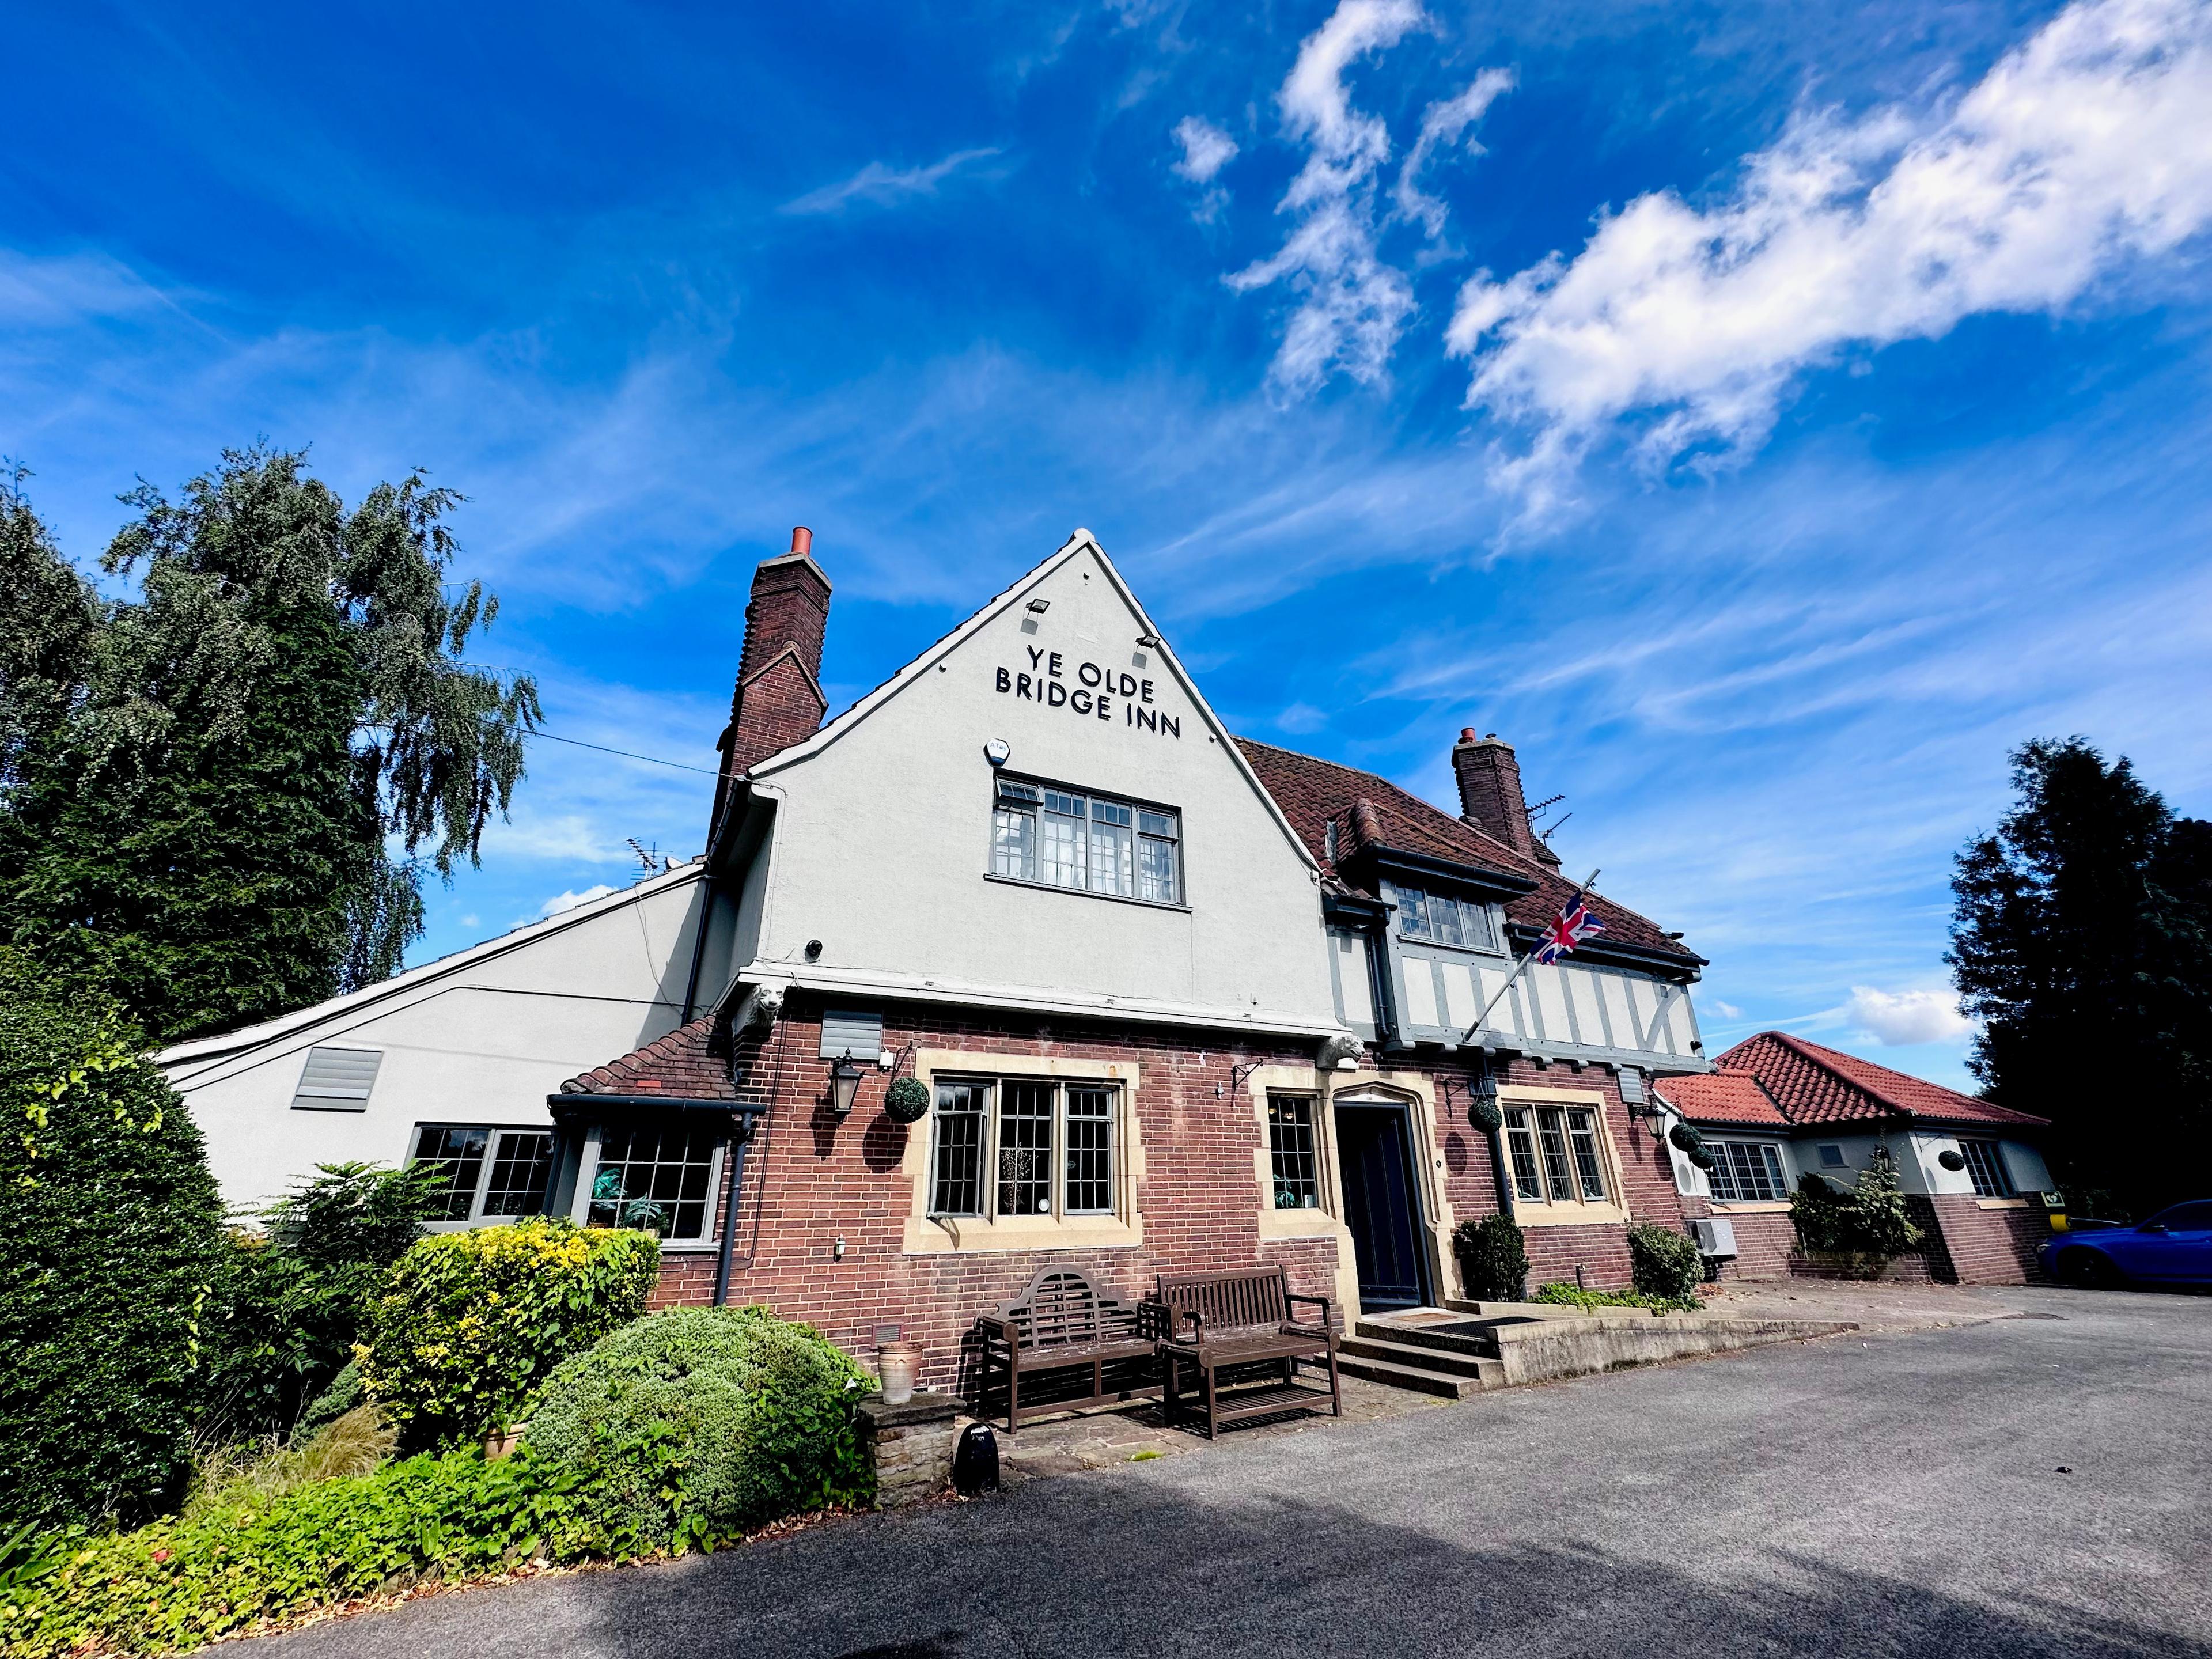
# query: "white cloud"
561, 903
1442, 124
2081, 151
1353, 304
1206, 149
1901, 1018
877, 185
1725, 1009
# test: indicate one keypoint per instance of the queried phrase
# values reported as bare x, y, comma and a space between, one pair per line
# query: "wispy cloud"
877, 185
1205, 150
1442, 124
561, 903
2081, 152
1901, 1020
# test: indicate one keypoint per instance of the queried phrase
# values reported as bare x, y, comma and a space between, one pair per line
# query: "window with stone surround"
1023, 1146
1557, 1155
1293, 1151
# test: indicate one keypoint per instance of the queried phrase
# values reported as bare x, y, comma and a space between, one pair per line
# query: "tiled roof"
681, 1066
1721, 1097
1813, 1084
1368, 809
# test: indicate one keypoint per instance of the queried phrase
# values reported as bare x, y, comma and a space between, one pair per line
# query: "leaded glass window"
957, 1188
1113, 851
1092, 842
655, 1175
1581, 1133
1985, 1164
1291, 1151
1747, 1171
1521, 1141
1014, 831
1159, 836
1025, 1148
1556, 1154
1090, 1132
1443, 919
1064, 836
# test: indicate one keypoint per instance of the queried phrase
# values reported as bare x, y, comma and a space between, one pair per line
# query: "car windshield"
2184, 1217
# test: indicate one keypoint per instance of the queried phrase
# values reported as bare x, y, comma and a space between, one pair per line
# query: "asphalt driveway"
1891, 1496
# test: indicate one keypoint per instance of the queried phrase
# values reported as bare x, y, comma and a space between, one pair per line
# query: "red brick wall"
1765, 1240
1990, 1247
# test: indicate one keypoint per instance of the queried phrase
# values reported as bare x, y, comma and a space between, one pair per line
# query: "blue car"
2174, 1247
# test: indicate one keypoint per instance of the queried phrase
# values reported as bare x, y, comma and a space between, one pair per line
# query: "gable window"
1291, 1153
1093, 843
1443, 919
336, 1080
1985, 1164
657, 1174
1747, 1172
1831, 1157
1554, 1153
488, 1174
1023, 1146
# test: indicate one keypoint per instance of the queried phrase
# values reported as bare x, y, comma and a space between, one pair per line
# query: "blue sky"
1764, 416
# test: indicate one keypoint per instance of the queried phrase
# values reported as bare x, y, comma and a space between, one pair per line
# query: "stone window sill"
2000, 1203
1530, 1214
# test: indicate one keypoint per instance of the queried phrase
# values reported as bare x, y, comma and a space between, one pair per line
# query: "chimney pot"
1467, 734
802, 539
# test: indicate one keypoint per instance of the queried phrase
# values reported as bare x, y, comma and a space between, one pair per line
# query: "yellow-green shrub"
472, 1321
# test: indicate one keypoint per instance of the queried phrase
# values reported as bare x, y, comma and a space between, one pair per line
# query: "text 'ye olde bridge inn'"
1025, 961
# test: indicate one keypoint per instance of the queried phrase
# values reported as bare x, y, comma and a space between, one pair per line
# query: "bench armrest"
1006, 1330
1320, 1302
1176, 1317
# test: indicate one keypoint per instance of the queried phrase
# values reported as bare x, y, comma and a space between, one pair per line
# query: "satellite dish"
996, 751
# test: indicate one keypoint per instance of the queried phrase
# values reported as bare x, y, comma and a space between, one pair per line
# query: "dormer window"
1443, 920
1058, 837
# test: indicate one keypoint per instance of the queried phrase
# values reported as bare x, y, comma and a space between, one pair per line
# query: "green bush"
1491, 1259
1868, 1220
115, 1245
253, 1554
472, 1321
1664, 1263
300, 1291
1561, 1294
692, 1425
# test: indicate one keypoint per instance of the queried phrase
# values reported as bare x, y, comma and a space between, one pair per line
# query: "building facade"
1777, 1108
1171, 1000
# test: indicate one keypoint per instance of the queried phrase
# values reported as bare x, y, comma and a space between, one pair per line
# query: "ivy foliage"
2084, 923
1665, 1264
199, 782
692, 1425
471, 1322
1493, 1258
115, 1250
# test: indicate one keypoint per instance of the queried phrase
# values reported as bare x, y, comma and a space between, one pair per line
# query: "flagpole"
1482, 1018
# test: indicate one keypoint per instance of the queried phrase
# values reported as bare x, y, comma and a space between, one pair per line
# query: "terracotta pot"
897, 1364
502, 1443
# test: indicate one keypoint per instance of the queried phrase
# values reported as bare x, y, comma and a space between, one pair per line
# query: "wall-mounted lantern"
845, 1084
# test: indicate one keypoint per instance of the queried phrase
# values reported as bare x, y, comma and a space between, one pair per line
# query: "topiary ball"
1952, 1159
1484, 1115
907, 1101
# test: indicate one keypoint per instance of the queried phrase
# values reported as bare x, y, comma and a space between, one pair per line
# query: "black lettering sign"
1036, 655
1058, 694
1053, 667
1048, 690
1088, 673
1146, 691
1105, 706
1079, 701
1005, 680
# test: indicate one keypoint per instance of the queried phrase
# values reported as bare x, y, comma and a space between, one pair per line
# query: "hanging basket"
1482, 1112
1691, 1145
907, 1101
1952, 1159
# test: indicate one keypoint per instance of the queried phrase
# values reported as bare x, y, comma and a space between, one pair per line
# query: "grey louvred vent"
338, 1079
847, 1032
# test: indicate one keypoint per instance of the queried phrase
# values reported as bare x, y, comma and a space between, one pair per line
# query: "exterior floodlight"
1150, 641
844, 1083
1040, 606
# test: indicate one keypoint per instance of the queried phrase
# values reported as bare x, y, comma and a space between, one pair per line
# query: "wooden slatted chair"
1060, 1323
1215, 1321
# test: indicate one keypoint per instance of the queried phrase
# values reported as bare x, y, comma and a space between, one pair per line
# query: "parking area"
2026, 1483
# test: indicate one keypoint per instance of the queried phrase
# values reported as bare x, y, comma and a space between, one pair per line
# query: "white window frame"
1430, 907
1762, 1151
495, 1134
1106, 819
587, 1174
1998, 1171
1057, 1147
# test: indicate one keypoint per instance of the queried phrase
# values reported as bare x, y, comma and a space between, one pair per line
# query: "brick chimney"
1490, 795
778, 699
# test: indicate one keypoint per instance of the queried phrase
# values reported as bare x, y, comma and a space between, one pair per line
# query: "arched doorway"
1382, 1200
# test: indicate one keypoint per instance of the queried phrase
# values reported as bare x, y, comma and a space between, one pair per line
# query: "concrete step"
1418, 1378
1442, 1360
1477, 1345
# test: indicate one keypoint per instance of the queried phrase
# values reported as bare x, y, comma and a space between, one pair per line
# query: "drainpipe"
699, 944
1496, 1137
742, 1140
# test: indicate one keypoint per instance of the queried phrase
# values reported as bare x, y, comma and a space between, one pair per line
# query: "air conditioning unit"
1715, 1236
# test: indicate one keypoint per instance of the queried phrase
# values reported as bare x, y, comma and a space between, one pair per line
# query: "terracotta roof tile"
1721, 1097
682, 1065
1813, 1085
1369, 809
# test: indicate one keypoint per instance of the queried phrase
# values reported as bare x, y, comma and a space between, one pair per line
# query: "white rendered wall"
883, 837
482, 1037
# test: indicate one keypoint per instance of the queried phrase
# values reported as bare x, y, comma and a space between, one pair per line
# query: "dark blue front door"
1374, 1155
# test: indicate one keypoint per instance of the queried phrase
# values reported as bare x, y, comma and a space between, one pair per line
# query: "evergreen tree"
218, 796
2081, 938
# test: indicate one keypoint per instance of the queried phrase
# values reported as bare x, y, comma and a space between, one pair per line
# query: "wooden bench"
1060, 1323
1216, 1320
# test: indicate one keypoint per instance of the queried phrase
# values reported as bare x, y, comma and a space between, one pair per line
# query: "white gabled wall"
882, 827
481, 1037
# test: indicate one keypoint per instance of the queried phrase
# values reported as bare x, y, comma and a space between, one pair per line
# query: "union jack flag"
1575, 922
